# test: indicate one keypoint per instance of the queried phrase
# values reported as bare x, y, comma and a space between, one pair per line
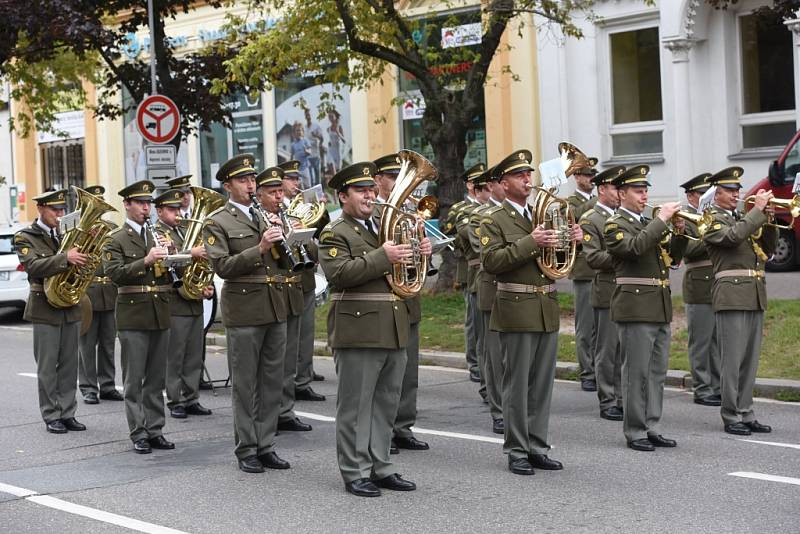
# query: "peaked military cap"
355, 174
492, 175
517, 161
698, 183
388, 164
291, 168
96, 190
593, 162
484, 178
237, 166
636, 175
180, 182
590, 169
53, 199
269, 177
473, 172
728, 178
609, 175
171, 197
141, 190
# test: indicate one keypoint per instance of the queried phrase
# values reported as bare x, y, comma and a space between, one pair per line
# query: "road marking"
770, 478
19, 328
317, 417
773, 443
85, 511
28, 375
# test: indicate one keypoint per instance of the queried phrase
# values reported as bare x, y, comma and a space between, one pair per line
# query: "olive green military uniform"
305, 357
739, 299
55, 330
96, 370
582, 276
642, 308
473, 259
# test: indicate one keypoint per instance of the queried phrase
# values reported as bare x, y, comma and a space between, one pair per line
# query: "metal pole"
153, 84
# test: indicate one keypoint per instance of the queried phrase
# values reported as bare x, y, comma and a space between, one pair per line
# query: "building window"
767, 82
636, 92
62, 165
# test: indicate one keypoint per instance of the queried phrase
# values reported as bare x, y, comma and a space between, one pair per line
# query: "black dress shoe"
56, 427
141, 446
363, 487
411, 443
273, 461
90, 397
754, 426
708, 401
251, 465
197, 409
393, 448
588, 385
475, 376
520, 466
541, 461
308, 394
660, 441
112, 395
160, 442
498, 426
294, 425
72, 424
612, 414
178, 412
739, 429
317, 378
396, 483
641, 445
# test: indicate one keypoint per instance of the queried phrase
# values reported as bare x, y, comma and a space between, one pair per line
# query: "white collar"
46, 228
136, 226
472, 199
604, 207
520, 209
493, 201
637, 216
243, 208
586, 196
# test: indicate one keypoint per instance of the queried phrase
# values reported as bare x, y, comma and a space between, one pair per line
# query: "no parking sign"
158, 119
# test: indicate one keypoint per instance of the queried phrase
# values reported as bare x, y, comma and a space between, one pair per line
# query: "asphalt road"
92, 481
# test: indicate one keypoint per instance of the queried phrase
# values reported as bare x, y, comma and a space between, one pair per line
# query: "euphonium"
791, 205
89, 236
199, 274
405, 228
310, 214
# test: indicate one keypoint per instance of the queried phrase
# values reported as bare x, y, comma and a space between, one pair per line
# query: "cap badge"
521, 155
274, 173
246, 162
735, 174
643, 170
61, 196
365, 171
619, 172
146, 188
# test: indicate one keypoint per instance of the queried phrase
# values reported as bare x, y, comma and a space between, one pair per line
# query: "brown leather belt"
265, 279
744, 273
525, 288
126, 290
698, 264
630, 280
474, 263
370, 297
101, 280
37, 287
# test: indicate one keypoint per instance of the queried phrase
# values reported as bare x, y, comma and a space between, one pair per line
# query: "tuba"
406, 228
89, 236
310, 214
199, 274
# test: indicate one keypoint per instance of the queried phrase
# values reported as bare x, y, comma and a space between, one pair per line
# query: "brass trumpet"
701, 220
790, 205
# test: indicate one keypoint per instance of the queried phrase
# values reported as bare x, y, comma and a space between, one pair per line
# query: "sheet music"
552, 173
707, 199
69, 221
313, 194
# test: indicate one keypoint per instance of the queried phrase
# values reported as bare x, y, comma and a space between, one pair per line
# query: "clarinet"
282, 248
305, 259
176, 280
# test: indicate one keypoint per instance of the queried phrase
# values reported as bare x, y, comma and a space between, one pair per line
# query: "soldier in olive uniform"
641, 305
703, 350
143, 317
185, 349
403, 438
490, 348
739, 247
582, 275
182, 184
526, 314
270, 194
96, 370
368, 332
607, 358
55, 330
244, 251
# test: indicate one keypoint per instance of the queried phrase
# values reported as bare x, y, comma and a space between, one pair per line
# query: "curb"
764, 387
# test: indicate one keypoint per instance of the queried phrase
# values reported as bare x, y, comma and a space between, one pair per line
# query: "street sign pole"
151, 19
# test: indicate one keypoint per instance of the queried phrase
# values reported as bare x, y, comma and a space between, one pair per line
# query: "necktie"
143, 236
370, 229
252, 214
54, 236
178, 231
526, 215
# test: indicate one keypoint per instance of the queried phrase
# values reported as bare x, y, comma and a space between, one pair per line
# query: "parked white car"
13, 280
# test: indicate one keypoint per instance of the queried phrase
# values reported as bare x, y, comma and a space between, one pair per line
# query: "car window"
791, 165
7, 244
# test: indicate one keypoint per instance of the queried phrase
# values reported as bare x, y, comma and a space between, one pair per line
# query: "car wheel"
783, 259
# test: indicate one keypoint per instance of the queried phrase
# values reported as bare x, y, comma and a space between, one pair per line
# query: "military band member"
185, 348
704, 355
642, 304
490, 348
607, 358
582, 275
182, 184
368, 332
96, 369
526, 314
739, 247
143, 317
270, 195
388, 167
55, 330
240, 246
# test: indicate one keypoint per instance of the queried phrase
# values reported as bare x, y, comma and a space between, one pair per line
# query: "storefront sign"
70, 122
413, 108
463, 35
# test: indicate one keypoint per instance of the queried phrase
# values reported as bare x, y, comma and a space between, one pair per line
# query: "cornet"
790, 205
701, 220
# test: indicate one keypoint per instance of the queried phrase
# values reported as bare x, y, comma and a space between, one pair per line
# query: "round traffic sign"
157, 119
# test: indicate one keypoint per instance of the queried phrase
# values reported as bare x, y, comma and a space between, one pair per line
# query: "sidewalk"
765, 387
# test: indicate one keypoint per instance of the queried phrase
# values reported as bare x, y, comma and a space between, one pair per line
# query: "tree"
351, 42
50, 48
785, 9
